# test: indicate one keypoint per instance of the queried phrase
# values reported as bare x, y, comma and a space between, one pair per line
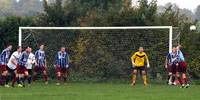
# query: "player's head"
42, 47
28, 49
9, 47
174, 49
62, 49
141, 49
19, 49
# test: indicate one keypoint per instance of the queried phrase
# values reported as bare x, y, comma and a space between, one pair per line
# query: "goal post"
170, 28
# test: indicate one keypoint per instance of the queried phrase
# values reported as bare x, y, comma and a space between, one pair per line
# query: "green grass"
99, 91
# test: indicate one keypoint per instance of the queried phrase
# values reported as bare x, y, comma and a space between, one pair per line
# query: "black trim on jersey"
140, 56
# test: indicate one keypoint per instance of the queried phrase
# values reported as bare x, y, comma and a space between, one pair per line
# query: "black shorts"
30, 71
11, 71
141, 68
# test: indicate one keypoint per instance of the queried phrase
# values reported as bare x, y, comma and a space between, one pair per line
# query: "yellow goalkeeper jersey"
139, 59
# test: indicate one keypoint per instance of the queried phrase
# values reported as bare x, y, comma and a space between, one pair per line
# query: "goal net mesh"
102, 54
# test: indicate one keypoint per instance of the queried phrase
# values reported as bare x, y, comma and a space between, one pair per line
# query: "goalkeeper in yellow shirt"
139, 60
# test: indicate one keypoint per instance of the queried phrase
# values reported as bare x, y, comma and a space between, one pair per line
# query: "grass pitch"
100, 91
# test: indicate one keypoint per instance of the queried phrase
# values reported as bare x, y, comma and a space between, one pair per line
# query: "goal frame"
170, 28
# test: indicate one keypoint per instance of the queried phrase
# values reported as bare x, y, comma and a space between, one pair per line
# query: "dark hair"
62, 47
9, 45
41, 44
19, 47
27, 47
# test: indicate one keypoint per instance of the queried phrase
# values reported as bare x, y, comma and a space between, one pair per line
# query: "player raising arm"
4, 57
138, 63
62, 65
182, 68
173, 60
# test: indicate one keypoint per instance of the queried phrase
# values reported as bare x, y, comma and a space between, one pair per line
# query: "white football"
193, 27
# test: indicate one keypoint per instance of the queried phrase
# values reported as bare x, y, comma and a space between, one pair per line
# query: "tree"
197, 13
9, 30
198, 26
54, 14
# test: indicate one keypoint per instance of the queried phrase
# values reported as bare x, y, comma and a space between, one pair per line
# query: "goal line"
170, 28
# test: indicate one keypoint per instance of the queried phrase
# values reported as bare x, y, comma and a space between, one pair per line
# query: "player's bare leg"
173, 79
180, 80
134, 76
21, 76
29, 79
45, 77
174, 74
185, 80
15, 78
19, 83
65, 75
144, 77
5, 78
58, 78
4, 75
24, 77
34, 76
169, 79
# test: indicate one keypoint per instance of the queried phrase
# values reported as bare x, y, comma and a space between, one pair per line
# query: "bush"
194, 67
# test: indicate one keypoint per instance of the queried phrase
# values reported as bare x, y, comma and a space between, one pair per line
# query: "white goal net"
102, 51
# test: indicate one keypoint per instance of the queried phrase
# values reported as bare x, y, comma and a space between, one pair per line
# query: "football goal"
102, 51
169, 28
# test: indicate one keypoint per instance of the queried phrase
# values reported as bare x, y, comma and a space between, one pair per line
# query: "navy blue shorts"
139, 68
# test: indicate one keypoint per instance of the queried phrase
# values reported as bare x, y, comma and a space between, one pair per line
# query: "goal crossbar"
170, 28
